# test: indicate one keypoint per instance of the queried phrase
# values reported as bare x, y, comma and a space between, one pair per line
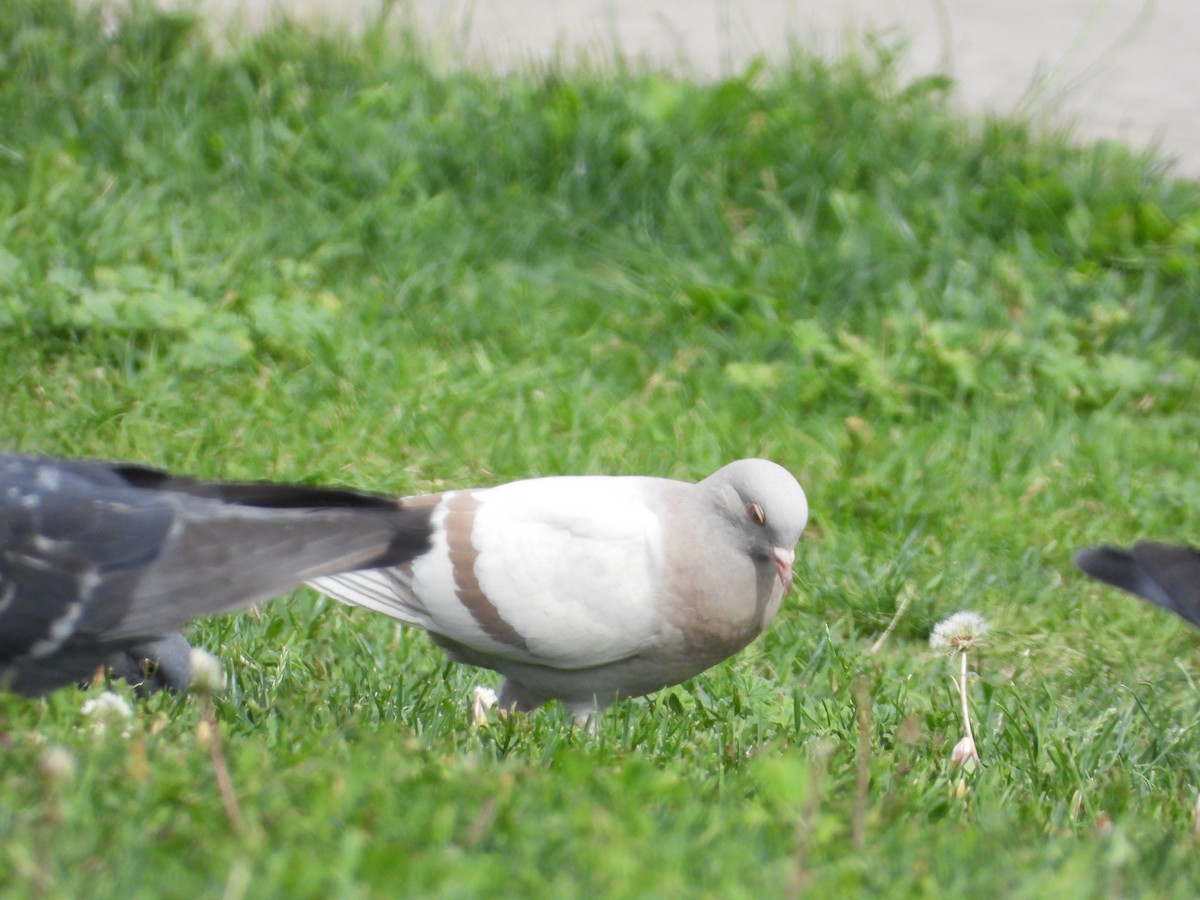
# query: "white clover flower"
959, 633
208, 678
108, 706
57, 765
108, 709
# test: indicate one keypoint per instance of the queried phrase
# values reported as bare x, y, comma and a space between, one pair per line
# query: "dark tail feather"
263, 494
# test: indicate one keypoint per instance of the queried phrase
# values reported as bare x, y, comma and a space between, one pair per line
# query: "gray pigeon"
100, 562
158, 664
588, 588
1166, 575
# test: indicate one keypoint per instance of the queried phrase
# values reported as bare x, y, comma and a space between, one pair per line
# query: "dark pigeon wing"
1165, 574
96, 558
69, 544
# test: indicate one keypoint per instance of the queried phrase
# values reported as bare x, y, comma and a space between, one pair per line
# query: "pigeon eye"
756, 514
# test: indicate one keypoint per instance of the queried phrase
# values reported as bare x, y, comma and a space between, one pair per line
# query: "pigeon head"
764, 507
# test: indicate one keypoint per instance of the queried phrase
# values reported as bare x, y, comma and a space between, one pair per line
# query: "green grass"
328, 260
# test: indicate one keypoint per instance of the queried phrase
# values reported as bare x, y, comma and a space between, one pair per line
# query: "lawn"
333, 260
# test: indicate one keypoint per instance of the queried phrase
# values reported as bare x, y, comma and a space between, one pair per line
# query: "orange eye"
756, 514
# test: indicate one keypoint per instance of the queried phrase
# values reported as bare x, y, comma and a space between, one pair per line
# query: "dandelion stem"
221, 770
966, 706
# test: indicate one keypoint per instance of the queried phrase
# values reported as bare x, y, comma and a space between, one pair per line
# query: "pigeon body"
589, 588
101, 562
1165, 574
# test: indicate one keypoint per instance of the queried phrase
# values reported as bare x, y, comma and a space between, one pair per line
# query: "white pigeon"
588, 588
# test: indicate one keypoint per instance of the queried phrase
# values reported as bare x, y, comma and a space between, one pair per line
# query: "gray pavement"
1124, 69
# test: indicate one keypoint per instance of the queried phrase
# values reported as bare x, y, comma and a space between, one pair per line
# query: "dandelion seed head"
208, 677
960, 633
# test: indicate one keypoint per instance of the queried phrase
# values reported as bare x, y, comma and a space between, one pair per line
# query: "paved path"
1127, 69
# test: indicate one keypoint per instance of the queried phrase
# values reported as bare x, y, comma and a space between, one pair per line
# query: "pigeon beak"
783, 562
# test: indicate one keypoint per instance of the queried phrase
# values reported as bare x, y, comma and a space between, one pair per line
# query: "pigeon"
586, 589
163, 663
101, 563
1165, 574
